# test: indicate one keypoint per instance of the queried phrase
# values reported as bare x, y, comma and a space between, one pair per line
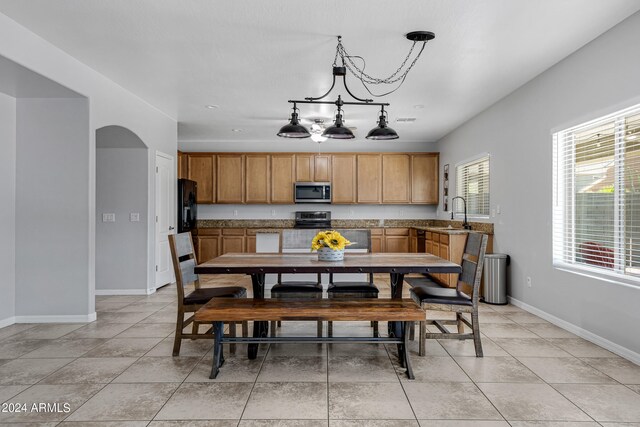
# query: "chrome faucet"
465, 224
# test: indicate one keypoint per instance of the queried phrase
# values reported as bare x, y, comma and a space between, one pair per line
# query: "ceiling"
249, 57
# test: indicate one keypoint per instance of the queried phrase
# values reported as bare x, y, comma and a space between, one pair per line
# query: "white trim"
7, 322
78, 318
582, 333
124, 291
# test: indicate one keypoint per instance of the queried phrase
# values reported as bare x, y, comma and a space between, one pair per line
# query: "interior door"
165, 217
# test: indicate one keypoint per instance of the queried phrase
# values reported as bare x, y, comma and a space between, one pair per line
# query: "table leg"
260, 329
407, 362
397, 281
218, 357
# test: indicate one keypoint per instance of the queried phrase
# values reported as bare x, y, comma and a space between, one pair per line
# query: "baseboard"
79, 318
582, 333
7, 322
124, 291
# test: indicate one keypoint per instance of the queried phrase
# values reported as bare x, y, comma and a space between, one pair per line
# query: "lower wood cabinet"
447, 246
390, 240
212, 242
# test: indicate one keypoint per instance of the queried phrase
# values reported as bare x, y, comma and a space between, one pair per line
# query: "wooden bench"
221, 310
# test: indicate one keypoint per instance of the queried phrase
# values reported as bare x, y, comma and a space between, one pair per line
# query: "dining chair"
351, 290
461, 299
184, 262
297, 289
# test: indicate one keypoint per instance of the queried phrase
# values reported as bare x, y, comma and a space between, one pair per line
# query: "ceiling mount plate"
420, 36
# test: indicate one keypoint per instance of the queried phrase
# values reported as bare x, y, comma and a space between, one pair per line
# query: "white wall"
7, 208
337, 211
109, 104
52, 210
121, 246
599, 78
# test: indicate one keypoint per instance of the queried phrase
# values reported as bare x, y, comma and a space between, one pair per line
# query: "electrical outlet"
108, 217
528, 281
493, 213
134, 217
273, 212
235, 212
498, 209
401, 212
351, 212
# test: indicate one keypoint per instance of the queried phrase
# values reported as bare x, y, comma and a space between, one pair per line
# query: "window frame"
563, 209
463, 163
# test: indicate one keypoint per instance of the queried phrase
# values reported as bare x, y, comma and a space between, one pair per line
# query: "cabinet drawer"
250, 231
396, 232
233, 231
444, 238
428, 235
377, 231
208, 231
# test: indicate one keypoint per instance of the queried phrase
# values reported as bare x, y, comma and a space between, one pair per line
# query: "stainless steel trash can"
495, 278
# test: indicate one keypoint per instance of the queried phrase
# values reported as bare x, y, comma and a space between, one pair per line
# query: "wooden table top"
241, 309
308, 263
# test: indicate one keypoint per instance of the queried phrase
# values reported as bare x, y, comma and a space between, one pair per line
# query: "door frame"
154, 283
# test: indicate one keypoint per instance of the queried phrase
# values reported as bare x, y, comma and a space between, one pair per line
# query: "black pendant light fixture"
294, 129
382, 132
339, 131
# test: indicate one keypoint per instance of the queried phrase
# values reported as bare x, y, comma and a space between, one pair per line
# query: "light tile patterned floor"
118, 371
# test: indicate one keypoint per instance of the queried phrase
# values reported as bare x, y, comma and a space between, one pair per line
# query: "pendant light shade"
338, 130
294, 129
382, 132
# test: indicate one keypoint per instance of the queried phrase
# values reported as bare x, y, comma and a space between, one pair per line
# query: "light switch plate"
134, 217
108, 217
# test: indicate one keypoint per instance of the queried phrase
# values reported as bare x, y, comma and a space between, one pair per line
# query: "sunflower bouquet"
329, 239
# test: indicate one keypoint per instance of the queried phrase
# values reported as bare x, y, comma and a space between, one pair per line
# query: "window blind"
596, 186
472, 183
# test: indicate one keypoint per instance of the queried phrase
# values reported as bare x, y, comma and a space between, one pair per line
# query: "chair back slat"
183, 244
187, 271
184, 262
472, 263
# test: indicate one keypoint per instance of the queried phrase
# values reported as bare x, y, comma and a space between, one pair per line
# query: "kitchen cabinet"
313, 167
283, 175
396, 178
396, 240
207, 244
201, 168
369, 178
424, 178
183, 165
377, 240
449, 246
230, 178
232, 240
258, 178
413, 240
343, 178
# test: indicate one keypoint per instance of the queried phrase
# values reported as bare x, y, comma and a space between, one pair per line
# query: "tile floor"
118, 371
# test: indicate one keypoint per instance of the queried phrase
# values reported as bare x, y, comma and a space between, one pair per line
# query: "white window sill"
598, 274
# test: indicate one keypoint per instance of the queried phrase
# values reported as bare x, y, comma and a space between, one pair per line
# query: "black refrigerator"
187, 206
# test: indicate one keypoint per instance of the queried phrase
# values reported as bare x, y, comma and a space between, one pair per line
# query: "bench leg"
218, 357
232, 333
407, 362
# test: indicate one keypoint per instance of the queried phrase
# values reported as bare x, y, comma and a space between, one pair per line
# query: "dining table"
258, 264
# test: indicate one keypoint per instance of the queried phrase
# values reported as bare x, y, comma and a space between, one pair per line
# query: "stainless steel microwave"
312, 192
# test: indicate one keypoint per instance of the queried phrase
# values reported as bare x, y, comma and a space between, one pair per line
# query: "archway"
122, 212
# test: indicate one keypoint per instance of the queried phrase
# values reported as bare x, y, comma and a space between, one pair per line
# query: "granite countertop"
276, 225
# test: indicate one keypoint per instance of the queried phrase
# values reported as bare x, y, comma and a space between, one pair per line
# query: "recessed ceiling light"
418, 106
211, 106
236, 130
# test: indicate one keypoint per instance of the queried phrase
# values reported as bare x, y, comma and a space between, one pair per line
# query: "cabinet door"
444, 253
183, 165
424, 178
232, 244
283, 174
305, 166
201, 168
396, 243
208, 248
322, 168
377, 244
413, 241
396, 183
230, 178
258, 178
369, 178
251, 244
343, 178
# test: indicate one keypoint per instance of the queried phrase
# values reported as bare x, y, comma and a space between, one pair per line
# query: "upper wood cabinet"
313, 167
369, 178
202, 169
424, 178
343, 178
230, 178
258, 178
396, 182
283, 175
183, 165
322, 168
